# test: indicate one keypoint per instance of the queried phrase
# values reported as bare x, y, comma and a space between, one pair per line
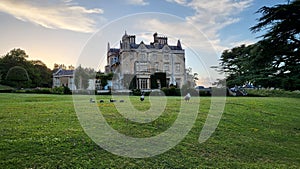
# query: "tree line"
274, 61
17, 71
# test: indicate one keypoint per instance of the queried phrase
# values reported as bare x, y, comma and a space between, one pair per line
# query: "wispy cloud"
243, 42
199, 33
212, 16
57, 14
181, 2
217, 13
186, 32
138, 2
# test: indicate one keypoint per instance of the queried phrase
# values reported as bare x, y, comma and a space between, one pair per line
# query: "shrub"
272, 93
36, 90
204, 93
172, 91
219, 91
85, 92
6, 91
67, 90
58, 90
41, 90
136, 92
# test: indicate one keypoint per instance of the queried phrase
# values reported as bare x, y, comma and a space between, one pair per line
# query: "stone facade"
64, 77
140, 62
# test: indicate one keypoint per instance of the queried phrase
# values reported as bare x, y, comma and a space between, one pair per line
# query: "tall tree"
82, 76
17, 76
42, 74
37, 73
274, 61
16, 58
236, 64
104, 78
282, 41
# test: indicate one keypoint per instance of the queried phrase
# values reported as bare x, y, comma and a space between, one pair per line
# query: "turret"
179, 44
108, 47
127, 40
159, 40
155, 37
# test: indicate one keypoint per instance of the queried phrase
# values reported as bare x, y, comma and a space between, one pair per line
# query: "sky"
76, 32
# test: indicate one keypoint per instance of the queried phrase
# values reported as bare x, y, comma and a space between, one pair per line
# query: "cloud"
218, 13
190, 36
212, 16
199, 33
56, 14
181, 2
205, 81
244, 42
138, 2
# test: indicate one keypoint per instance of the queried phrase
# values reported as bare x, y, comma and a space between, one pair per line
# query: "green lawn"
42, 131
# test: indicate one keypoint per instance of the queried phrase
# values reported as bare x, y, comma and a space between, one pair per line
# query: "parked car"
202, 88
199, 87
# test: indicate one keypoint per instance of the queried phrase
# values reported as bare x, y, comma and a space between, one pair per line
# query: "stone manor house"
138, 66
147, 66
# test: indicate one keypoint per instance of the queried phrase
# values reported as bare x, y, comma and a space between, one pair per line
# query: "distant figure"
111, 100
142, 97
122, 101
92, 101
187, 97
101, 101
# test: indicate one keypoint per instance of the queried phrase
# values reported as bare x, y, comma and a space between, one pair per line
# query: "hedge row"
56, 90
172, 91
272, 93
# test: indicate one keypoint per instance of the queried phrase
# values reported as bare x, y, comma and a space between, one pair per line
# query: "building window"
131, 57
127, 68
177, 67
166, 57
143, 57
166, 67
114, 60
142, 67
178, 80
156, 66
144, 84
154, 57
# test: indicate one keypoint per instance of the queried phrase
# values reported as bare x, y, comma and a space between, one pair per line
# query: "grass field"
42, 131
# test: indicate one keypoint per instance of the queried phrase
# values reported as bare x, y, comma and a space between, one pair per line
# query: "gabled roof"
159, 43
175, 47
114, 50
159, 46
63, 72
